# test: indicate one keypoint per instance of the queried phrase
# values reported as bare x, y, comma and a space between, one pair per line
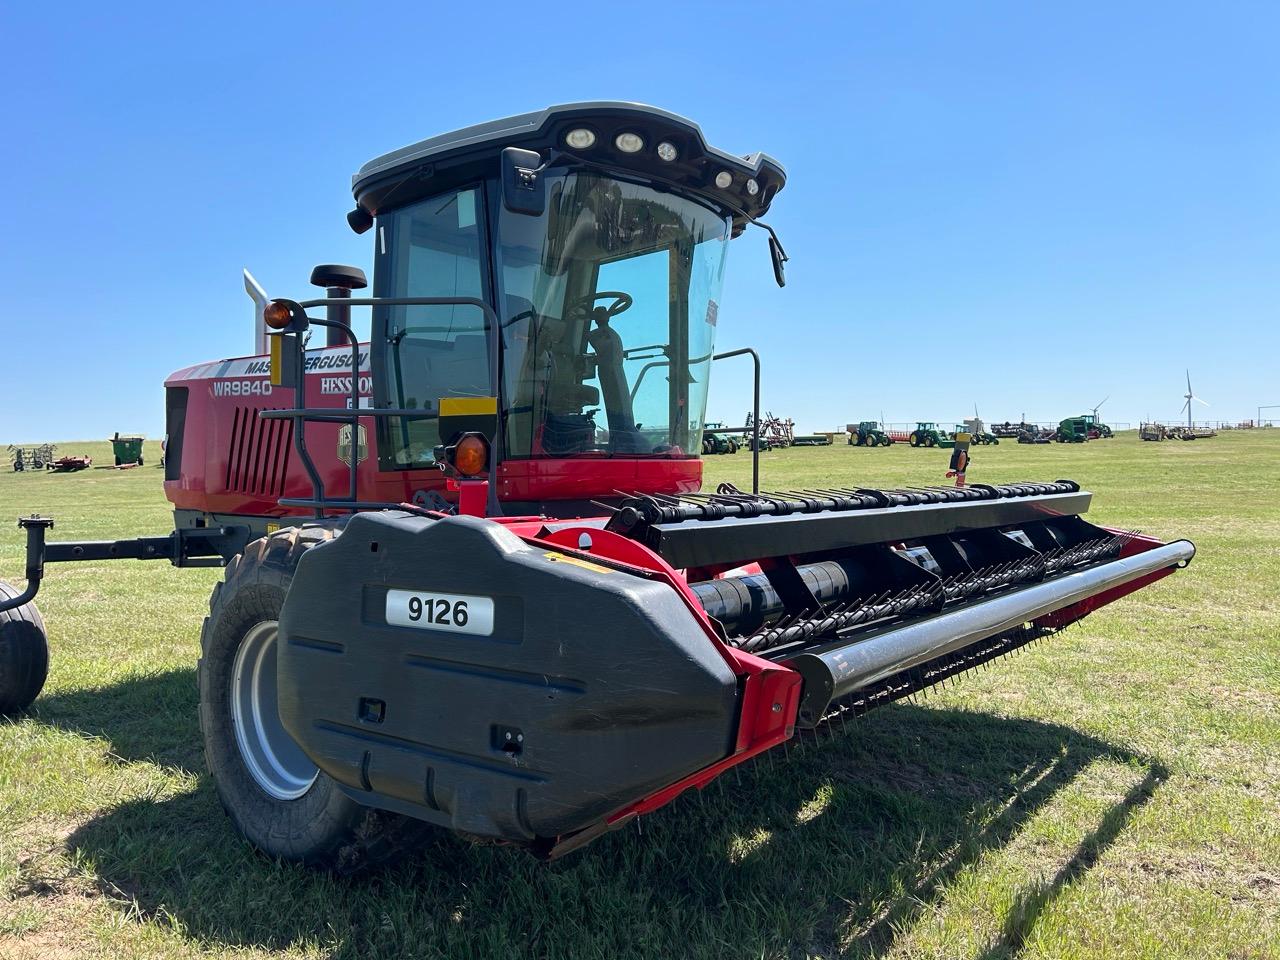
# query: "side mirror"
523, 190
359, 220
779, 260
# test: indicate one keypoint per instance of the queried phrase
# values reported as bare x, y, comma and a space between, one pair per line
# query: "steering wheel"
621, 303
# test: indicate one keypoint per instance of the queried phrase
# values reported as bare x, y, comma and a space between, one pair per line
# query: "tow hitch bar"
196, 547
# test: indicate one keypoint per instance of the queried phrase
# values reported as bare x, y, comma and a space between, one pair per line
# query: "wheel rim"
275, 762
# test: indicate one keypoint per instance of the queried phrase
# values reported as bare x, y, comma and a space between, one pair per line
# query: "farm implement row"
44, 457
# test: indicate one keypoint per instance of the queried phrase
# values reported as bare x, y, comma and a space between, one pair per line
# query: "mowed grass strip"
1110, 792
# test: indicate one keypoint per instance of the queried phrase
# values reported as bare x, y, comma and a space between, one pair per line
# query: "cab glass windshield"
609, 304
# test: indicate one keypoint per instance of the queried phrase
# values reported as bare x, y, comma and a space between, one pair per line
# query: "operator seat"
607, 344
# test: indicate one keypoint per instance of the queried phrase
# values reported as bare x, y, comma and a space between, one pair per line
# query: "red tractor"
471, 581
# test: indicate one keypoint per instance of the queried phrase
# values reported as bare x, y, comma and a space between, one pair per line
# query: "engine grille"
258, 456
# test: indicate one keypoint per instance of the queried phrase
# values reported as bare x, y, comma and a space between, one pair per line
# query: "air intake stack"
338, 281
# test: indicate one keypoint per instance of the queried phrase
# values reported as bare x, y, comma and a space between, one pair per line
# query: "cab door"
422, 354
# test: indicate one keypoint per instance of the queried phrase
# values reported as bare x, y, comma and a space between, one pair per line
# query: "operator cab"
602, 256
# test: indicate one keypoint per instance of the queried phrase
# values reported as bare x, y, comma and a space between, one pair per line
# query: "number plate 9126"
452, 612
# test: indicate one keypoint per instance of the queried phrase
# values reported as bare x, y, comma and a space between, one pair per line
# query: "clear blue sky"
1025, 205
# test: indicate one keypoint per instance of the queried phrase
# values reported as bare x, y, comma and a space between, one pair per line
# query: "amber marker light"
470, 455
277, 315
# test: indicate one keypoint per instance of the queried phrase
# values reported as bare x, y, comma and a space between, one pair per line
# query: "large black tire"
915, 440
322, 827
24, 654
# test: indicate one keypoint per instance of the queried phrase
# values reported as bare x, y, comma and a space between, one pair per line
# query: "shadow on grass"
832, 849
150, 717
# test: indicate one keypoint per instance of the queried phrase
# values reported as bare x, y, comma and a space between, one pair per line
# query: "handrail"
635, 389
301, 413
755, 412
755, 418
338, 414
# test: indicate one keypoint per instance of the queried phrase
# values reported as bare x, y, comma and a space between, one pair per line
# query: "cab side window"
433, 249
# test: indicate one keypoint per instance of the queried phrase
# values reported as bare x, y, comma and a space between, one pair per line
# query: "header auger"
520, 619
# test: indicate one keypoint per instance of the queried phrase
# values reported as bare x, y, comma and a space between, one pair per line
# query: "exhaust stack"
259, 297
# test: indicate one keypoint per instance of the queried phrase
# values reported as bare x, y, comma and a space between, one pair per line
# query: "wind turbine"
1189, 396
1098, 406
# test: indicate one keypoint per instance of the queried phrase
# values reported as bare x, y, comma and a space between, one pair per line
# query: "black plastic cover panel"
593, 688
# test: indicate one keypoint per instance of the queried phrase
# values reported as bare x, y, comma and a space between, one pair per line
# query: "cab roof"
441, 162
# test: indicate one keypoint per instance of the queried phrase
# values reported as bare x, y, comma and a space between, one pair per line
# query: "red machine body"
230, 461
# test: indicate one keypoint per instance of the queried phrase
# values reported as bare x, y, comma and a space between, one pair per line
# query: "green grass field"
1112, 792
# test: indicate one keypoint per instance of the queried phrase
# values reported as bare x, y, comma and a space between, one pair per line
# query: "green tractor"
1097, 429
867, 434
927, 434
979, 437
1073, 430
716, 441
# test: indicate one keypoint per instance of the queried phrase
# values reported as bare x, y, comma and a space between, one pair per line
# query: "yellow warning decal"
277, 360
272, 527
468, 406
577, 562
